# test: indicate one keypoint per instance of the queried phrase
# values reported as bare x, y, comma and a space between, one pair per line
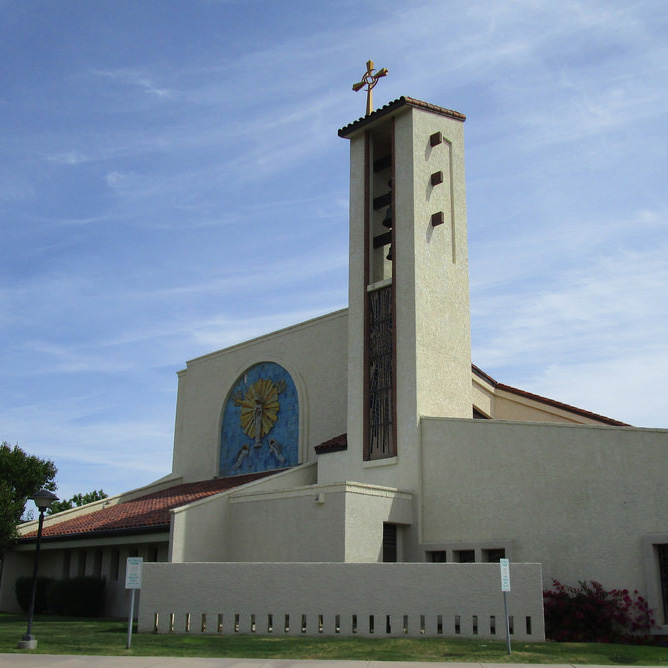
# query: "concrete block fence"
346, 599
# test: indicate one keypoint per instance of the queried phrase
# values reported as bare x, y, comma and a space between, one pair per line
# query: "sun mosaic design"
260, 429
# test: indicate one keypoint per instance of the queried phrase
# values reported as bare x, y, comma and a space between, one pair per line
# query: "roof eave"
98, 533
393, 107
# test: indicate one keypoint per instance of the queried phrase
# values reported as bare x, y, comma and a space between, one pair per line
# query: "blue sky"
171, 182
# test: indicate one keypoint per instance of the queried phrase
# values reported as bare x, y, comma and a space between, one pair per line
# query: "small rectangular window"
437, 556
464, 556
494, 555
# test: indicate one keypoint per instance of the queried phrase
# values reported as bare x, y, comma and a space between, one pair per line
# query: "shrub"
23, 589
589, 613
77, 597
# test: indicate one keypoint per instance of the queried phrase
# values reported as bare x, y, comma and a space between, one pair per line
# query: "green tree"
77, 500
21, 475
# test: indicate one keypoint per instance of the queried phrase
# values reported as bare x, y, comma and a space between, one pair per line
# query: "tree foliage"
77, 500
21, 475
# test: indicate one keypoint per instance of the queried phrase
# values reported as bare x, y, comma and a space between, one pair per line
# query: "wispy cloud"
187, 194
68, 158
137, 78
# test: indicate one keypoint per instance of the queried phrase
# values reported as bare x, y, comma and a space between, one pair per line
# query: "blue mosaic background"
285, 431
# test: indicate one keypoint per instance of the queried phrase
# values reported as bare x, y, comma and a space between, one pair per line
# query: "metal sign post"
132, 582
505, 588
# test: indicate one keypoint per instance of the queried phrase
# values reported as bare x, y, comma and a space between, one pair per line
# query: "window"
464, 556
67, 558
260, 427
437, 556
494, 555
81, 569
97, 564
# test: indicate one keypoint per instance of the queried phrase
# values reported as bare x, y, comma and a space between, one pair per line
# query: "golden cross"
369, 80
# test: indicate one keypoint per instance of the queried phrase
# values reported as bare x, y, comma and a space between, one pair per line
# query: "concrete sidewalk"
71, 661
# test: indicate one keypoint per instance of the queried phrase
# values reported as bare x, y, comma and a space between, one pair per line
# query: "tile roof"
144, 514
545, 400
403, 101
335, 444
340, 442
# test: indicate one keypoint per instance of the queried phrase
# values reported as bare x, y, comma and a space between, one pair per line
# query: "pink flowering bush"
589, 613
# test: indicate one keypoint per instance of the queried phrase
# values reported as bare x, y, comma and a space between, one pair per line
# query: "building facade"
367, 436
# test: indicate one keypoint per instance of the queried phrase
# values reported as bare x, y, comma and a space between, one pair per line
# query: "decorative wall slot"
436, 178
435, 139
437, 218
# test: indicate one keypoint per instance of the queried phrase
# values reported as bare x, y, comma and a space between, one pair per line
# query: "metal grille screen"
380, 373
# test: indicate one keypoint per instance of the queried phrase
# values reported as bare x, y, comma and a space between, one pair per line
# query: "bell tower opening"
379, 329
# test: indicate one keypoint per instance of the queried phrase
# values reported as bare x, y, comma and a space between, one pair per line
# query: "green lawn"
58, 635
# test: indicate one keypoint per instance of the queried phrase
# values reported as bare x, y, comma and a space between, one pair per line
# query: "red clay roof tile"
150, 512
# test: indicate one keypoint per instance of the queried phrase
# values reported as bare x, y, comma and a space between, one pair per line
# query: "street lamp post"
43, 500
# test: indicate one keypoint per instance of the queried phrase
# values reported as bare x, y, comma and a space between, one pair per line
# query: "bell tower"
409, 320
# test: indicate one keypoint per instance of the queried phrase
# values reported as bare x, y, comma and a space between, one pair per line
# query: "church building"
365, 444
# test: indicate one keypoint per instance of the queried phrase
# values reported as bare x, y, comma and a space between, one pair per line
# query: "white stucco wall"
288, 518
288, 525
578, 499
205, 530
312, 352
415, 597
367, 509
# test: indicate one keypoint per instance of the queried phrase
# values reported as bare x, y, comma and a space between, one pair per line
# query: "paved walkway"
65, 661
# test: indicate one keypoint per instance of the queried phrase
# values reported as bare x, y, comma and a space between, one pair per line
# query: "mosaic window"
260, 429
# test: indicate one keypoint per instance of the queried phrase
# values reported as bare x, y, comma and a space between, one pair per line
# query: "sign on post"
505, 588
133, 573
132, 582
505, 574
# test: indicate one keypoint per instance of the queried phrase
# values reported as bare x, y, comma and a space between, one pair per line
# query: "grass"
59, 635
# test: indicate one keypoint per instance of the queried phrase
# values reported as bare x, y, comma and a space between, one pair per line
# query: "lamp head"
43, 499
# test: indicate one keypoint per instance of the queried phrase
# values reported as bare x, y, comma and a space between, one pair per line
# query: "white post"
131, 617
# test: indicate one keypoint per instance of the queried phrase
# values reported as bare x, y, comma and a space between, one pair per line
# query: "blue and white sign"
133, 573
505, 574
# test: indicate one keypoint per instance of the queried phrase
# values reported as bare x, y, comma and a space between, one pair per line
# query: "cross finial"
369, 80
